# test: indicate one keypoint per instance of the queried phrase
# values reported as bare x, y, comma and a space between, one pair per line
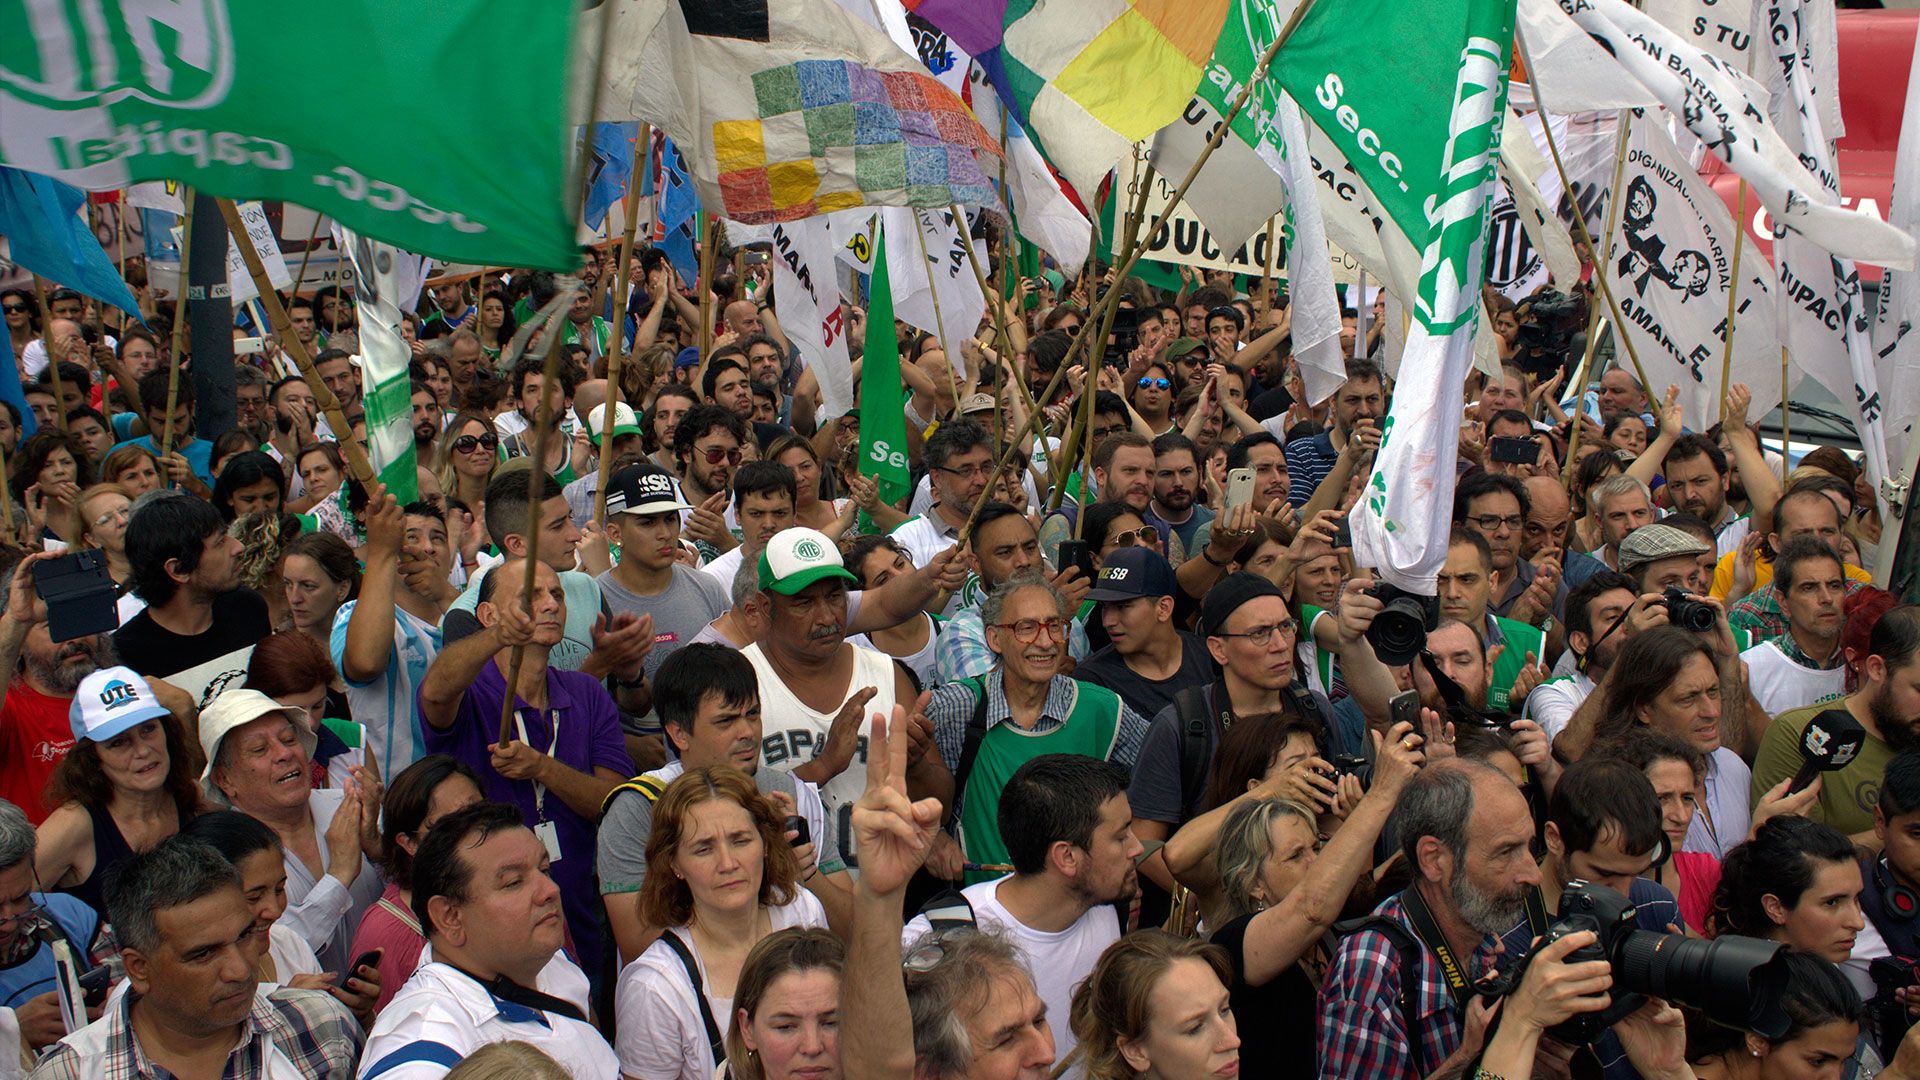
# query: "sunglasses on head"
715, 454
466, 444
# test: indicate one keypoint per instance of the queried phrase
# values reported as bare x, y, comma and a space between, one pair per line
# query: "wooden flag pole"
1733, 298
53, 361
538, 493
179, 321
283, 329
1112, 298
926, 264
1594, 320
6, 501
642, 156
706, 288
1598, 256
1266, 274
1786, 419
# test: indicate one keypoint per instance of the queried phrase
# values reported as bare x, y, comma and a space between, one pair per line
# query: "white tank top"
793, 734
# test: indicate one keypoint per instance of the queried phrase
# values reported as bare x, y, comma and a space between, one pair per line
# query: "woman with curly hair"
49, 471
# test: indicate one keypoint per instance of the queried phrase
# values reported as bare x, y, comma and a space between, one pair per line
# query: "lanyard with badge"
545, 829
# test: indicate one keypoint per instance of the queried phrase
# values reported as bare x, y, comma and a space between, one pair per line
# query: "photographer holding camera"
1885, 962
1401, 1001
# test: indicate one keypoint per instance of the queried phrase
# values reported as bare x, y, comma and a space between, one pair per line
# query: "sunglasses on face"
466, 444
13, 309
1145, 535
1155, 384
716, 454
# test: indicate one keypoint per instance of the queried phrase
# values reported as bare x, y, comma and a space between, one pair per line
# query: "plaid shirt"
305, 1029
1362, 1030
1760, 616
951, 707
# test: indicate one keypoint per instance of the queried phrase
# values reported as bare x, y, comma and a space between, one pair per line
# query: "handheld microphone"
1830, 743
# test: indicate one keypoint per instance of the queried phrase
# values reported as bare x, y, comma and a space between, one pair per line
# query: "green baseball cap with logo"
1183, 348
796, 558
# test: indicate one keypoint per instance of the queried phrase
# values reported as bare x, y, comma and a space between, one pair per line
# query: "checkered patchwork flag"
785, 109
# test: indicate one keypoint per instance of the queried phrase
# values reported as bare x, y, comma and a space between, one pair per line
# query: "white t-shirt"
290, 953
441, 1016
1553, 703
922, 663
1779, 683
723, 568
661, 1033
1059, 962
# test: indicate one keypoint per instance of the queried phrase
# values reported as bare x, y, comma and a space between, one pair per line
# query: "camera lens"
1399, 631
1736, 981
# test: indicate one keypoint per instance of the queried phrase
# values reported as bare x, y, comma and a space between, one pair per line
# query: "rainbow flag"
1087, 78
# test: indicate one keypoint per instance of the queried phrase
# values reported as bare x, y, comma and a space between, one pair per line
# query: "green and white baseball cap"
796, 558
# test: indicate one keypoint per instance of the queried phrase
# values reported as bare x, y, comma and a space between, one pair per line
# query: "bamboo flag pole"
1266, 273
537, 493
1594, 321
179, 319
1213, 142
707, 244
926, 264
1786, 418
1733, 299
290, 343
53, 360
642, 157
6, 501
1598, 256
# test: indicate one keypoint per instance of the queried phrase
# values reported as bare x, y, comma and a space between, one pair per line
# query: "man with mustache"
816, 690
1176, 484
42, 676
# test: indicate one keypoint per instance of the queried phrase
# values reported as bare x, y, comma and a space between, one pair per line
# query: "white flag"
1724, 28
1725, 110
807, 293
1823, 315
1046, 217
383, 274
1530, 242
1234, 195
260, 228
1316, 307
1895, 343
942, 271
1567, 71
1671, 261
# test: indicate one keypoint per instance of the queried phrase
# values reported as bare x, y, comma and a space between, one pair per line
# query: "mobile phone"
798, 824
1343, 533
368, 959
1405, 709
1076, 553
1514, 450
94, 984
1239, 489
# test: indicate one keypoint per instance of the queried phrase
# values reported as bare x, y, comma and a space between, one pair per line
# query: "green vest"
1521, 639
1092, 727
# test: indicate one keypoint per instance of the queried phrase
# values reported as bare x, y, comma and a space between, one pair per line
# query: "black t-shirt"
1148, 696
1276, 1021
240, 620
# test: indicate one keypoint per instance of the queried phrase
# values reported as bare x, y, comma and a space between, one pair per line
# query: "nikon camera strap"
1452, 968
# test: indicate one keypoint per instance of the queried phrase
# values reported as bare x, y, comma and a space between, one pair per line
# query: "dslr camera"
1548, 322
1689, 614
1735, 981
1399, 632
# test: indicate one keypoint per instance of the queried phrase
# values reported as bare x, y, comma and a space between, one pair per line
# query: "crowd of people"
659, 745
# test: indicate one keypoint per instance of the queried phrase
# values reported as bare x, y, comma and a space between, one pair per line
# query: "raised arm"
1654, 457
369, 639
1763, 486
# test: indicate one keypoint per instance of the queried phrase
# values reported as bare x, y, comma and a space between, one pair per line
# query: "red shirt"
34, 735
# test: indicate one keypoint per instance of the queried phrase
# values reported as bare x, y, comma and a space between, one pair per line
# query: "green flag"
383, 278
1423, 133
443, 129
883, 411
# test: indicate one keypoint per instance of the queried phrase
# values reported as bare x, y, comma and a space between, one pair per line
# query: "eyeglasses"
1145, 536
1493, 522
466, 444
971, 472
13, 309
1027, 631
716, 454
120, 514
1155, 384
1262, 636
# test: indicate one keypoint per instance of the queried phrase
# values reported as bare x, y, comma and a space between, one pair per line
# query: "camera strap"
1452, 968
1580, 662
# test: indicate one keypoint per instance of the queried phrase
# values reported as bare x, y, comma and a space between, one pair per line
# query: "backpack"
1194, 716
647, 786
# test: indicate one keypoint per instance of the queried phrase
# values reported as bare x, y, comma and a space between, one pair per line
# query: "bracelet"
1483, 1073
1205, 554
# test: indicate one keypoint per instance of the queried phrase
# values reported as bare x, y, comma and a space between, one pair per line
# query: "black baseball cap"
1229, 595
1132, 572
643, 489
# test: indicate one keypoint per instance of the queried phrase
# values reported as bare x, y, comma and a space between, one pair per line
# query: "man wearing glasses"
707, 442
1497, 506
959, 457
990, 725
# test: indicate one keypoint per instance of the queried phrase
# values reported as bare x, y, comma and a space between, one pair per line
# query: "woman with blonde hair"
468, 453
509, 1060
104, 511
1157, 1006
786, 1011
720, 877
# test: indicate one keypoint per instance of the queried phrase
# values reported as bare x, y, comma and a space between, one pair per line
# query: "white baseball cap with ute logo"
110, 702
796, 558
